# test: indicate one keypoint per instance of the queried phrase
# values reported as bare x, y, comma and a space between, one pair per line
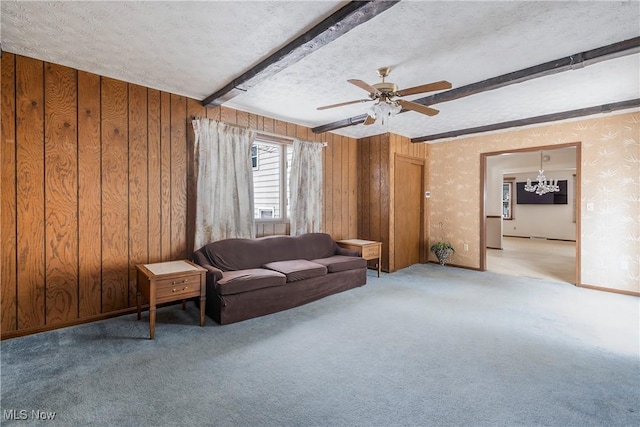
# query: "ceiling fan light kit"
385, 92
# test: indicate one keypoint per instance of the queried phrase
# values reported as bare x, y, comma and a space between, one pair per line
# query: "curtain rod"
264, 133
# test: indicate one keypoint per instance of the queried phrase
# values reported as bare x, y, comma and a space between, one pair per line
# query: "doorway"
522, 252
408, 207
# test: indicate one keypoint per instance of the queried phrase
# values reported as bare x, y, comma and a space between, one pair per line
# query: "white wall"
548, 221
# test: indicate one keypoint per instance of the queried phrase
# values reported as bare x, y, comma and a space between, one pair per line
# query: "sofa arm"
203, 262
215, 272
347, 252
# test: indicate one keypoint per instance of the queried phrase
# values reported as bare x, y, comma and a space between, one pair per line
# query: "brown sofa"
248, 278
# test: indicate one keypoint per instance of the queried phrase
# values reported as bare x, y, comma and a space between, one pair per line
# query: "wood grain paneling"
154, 175
138, 185
165, 176
116, 189
8, 320
377, 182
115, 195
61, 194
30, 192
178, 177
89, 196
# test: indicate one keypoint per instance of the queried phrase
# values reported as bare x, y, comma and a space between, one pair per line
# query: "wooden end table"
170, 281
368, 249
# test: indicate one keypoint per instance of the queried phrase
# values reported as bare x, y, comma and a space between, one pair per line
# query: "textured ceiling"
195, 48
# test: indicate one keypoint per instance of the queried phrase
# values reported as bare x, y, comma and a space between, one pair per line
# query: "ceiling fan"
385, 94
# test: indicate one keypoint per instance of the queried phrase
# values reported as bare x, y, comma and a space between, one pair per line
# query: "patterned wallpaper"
610, 157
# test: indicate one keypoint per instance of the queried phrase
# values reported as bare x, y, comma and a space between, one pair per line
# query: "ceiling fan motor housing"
386, 89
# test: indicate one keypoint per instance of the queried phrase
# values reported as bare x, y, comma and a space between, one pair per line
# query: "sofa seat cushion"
235, 282
297, 269
341, 263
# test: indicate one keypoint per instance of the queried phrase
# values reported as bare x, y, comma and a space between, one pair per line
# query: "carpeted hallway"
425, 346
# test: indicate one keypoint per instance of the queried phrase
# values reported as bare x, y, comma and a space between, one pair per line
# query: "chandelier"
543, 186
384, 110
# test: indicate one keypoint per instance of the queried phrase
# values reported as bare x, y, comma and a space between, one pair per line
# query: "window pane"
266, 181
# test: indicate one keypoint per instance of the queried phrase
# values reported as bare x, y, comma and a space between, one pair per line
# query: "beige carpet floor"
545, 259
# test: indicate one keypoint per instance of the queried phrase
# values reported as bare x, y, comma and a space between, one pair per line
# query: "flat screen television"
524, 197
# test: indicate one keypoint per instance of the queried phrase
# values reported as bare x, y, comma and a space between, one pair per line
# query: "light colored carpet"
428, 345
540, 258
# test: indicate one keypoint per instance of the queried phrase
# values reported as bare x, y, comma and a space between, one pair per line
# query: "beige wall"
610, 162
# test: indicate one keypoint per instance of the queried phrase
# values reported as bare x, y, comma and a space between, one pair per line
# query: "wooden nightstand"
368, 249
170, 281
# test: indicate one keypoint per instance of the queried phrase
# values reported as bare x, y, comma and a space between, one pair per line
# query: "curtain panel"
305, 184
224, 182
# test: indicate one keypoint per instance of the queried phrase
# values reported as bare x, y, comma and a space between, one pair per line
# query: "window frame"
283, 146
511, 183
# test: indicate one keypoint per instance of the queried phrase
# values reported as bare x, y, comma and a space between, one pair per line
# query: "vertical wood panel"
344, 197
374, 185
178, 177
138, 185
8, 321
61, 194
228, 115
154, 175
89, 195
268, 125
115, 183
337, 187
242, 118
165, 176
281, 127
353, 189
214, 113
30, 192
364, 180
384, 199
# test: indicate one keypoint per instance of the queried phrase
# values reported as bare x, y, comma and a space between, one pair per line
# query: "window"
271, 171
254, 157
507, 198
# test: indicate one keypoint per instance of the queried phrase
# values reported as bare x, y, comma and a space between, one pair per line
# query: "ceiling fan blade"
342, 104
441, 85
364, 85
369, 121
408, 105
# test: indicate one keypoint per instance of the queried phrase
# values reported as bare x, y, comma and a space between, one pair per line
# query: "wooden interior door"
408, 209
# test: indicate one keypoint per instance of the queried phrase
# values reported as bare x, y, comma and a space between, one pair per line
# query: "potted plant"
442, 251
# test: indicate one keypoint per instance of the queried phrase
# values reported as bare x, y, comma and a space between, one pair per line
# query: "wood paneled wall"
96, 179
376, 183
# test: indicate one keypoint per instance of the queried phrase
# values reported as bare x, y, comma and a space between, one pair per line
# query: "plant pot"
443, 255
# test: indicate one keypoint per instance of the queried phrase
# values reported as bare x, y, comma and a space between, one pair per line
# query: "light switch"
590, 206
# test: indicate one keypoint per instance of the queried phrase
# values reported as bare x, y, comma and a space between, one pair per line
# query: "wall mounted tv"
524, 197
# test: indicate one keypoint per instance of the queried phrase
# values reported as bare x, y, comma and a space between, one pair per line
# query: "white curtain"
224, 181
305, 183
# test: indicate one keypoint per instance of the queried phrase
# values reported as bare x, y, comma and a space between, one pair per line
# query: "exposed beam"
571, 62
581, 112
337, 24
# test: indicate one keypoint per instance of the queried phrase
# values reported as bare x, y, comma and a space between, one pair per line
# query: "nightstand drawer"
370, 252
176, 287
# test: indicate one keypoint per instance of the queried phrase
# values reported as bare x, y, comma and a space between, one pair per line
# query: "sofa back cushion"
242, 254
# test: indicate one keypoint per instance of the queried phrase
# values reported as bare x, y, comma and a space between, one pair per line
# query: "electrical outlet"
466, 247
590, 206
